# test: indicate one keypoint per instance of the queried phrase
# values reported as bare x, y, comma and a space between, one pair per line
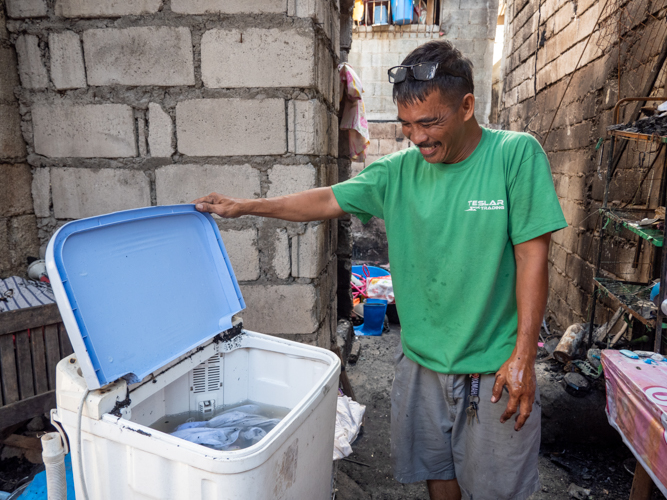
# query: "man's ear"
468, 107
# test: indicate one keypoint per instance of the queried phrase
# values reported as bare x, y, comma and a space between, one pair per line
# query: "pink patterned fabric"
354, 112
637, 409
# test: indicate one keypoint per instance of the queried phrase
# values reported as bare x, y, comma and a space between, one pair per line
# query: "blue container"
374, 271
380, 15
401, 11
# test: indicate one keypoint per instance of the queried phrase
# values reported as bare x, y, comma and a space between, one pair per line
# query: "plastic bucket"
375, 272
401, 11
380, 15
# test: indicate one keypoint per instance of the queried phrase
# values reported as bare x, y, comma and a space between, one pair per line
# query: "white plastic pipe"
53, 455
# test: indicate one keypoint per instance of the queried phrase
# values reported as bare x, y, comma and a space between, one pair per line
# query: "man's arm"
311, 205
518, 372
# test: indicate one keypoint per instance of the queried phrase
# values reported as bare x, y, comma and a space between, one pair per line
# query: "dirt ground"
597, 464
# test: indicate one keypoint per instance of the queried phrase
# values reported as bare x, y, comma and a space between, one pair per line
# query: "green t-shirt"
451, 230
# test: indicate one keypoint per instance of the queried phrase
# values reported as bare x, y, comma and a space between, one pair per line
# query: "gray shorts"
431, 439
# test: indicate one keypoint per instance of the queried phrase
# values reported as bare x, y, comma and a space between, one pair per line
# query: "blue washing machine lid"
140, 288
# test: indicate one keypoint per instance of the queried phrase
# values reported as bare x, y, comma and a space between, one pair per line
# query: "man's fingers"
521, 419
204, 199
512, 406
526, 409
497, 389
206, 207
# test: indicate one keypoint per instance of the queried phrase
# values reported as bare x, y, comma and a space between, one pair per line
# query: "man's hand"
314, 204
518, 375
224, 206
532, 287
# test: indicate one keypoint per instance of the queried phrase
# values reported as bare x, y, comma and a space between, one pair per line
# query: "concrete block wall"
344, 230
134, 103
543, 42
469, 25
18, 228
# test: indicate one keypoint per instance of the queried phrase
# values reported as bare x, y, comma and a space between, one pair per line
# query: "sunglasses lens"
397, 75
424, 71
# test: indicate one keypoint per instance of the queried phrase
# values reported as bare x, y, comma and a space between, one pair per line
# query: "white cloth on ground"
349, 416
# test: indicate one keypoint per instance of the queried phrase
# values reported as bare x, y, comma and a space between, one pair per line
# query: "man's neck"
471, 136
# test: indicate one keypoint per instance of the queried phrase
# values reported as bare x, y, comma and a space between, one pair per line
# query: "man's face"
436, 125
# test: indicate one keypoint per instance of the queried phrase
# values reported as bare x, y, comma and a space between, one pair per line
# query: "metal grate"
206, 377
199, 379
213, 373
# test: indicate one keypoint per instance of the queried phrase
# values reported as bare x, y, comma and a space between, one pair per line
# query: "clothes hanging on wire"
354, 112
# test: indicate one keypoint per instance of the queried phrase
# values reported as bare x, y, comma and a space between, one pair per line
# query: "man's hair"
450, 60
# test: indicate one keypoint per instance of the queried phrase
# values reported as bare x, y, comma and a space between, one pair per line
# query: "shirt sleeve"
364, 195
534, 208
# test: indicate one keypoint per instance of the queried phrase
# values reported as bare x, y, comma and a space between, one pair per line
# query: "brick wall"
18, 230
543, 43
127, 104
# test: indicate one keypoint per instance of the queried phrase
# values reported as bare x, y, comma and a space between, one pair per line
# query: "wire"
79, 448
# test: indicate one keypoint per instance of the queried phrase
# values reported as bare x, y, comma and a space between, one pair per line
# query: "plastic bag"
349, 415
380, 288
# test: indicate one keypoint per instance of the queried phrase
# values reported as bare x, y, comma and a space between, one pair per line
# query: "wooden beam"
26, 409
30, 317
642, 484
430, 12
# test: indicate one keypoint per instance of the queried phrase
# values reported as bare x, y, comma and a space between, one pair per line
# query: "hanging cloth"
358, 12
354, 112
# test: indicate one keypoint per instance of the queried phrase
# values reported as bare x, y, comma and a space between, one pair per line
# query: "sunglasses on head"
420, 71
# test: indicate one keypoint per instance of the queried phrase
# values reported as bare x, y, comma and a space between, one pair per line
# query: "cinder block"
9, 77
31, 67
160, 132
24, 241
152, 55
11, 140
227, 127
184, 183
241, 247
84, 131
308, 127
310, 251
325, 71
106, 8
333, 135
83, 192
388, 146
356, 167
227, 6
19, 9
41, 191
256, 57
141, 136
67, 70
5, 257
277, 309
382, 130
281, 254
288, 179
15, 198
373, 147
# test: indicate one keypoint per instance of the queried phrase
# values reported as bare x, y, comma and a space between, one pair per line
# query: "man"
469, 214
